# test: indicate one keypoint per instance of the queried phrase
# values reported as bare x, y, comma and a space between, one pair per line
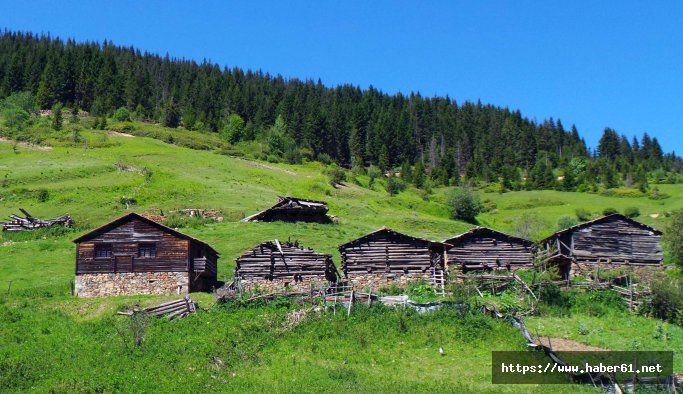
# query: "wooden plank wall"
618, 241
491, 250
386, 253
172, 252
266, 262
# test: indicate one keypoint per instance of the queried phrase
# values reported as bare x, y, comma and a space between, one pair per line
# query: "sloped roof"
486, 231
600, 220
289, 203
132, 216
389, 231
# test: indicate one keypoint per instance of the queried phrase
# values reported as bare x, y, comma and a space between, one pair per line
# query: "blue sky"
594, 64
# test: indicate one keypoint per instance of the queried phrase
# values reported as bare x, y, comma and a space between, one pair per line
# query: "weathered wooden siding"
389, 253
266, 262
617, 241
489, 251
172, 253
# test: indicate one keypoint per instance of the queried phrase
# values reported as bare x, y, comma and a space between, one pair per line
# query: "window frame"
106, 247
149, 248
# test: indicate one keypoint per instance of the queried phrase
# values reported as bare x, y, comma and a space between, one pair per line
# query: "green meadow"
53, 342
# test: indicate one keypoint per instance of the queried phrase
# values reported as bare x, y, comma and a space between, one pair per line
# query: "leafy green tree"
673, 238
418, 177
374, 173
121, 115
234, 129
464, 204
57, 116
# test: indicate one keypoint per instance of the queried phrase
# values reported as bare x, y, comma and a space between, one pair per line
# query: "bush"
394, 185
42, 195
488, 205
582, 214
464, 204
666, 300
121, 115
566, 221
335, 175
632, 212
609, 211
673, 237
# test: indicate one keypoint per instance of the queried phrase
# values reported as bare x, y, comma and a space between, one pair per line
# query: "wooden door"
123, 264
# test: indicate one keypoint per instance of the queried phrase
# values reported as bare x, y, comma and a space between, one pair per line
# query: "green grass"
52, 341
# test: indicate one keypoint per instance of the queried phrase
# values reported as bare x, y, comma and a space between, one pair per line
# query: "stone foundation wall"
376, 281
279, 285
131, 283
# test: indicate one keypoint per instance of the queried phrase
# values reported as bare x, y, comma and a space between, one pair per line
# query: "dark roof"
290, 203
602, 219
385, 230
131, 216
486, 231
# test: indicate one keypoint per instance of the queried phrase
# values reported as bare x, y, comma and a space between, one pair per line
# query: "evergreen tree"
57, 117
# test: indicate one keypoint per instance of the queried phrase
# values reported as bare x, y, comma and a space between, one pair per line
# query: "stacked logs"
272, 260
172, 309
31, 223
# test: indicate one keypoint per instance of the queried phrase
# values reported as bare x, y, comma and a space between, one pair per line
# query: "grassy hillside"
50, 340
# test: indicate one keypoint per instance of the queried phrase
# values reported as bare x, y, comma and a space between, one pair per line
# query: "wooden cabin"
486, 249
610, 241
290, 209
136, 255
385, 257
275, 266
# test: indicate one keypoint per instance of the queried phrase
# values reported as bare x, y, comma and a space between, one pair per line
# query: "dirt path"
121, 134
566, 345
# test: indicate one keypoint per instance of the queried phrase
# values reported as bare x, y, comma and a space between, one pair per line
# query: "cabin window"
103, 250
147, 250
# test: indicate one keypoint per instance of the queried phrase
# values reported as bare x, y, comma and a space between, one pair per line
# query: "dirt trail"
566, 345
26, 144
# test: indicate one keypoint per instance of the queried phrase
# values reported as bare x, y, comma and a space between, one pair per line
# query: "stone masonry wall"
278, 285
131, 283
372, 281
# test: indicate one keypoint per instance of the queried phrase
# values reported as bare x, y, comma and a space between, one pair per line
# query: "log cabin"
610, 241
291, 209
274, 266
136, 255
386, 257
485, 249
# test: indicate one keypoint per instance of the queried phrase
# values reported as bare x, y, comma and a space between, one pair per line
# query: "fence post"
9, 287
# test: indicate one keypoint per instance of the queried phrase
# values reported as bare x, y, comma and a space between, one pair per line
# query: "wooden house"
610, 241
274, 266
486, 249
290, 209
385, 257
136, 255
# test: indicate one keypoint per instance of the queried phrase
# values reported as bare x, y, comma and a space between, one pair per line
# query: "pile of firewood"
178, 308
31, 223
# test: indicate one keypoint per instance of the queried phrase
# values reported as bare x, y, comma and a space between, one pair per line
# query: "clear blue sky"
591, 63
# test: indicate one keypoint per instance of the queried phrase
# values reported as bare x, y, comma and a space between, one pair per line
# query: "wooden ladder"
438, 280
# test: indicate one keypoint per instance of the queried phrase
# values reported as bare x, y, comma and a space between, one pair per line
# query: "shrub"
121, 115
566, 221
42, 195
666, 300
394, 185
464, 204
335, 175
673, 237
582, 214
488, 205
609, 211
632, 212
